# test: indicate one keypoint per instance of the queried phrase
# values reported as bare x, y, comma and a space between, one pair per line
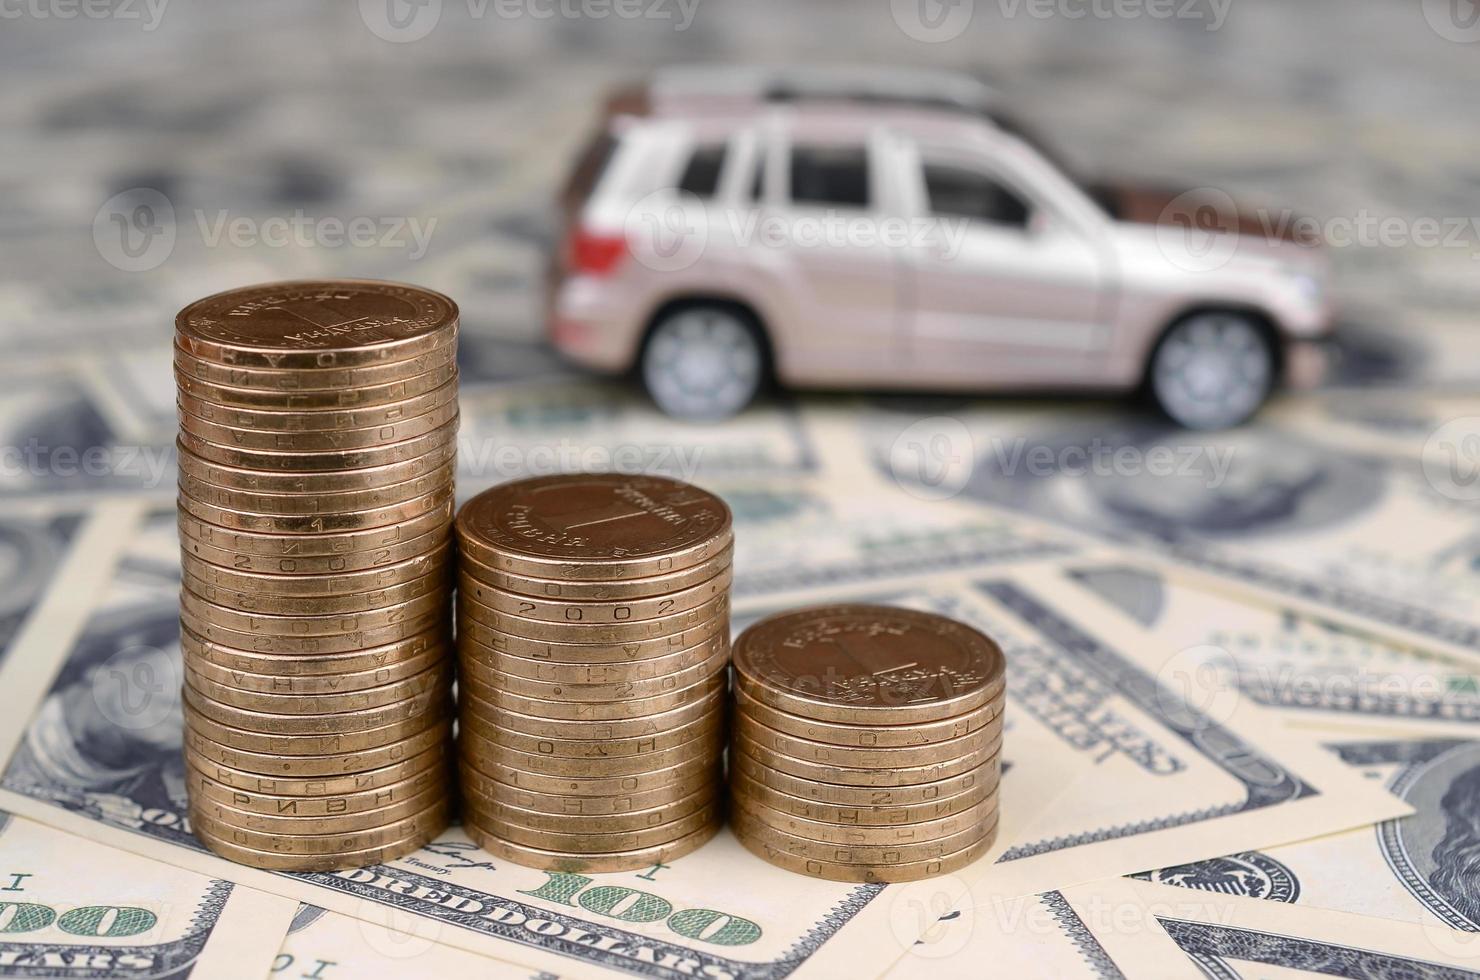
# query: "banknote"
1377, 543
1441, 431
73, 908
1309, 670
324, 945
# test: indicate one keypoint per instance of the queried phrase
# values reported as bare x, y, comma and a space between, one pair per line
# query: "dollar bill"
73, 908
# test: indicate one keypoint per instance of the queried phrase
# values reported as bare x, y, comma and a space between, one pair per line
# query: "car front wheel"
703, 362
1212, 370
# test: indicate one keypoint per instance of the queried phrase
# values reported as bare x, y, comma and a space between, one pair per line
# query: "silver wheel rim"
702, 363
1212, 371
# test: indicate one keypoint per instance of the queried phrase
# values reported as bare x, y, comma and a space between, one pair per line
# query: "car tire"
1212, 369
704, 361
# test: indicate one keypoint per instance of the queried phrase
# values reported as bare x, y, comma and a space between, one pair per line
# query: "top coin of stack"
866, 743
593, 636
317, 446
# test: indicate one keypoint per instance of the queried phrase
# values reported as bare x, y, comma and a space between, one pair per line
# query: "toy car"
726, 229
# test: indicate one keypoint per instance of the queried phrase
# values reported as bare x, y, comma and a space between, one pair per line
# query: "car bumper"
581, 325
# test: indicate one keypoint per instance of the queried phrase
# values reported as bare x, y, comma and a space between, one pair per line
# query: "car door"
1006, 289
837, 279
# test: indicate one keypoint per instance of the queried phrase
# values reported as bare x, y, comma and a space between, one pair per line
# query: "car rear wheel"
703, 362
1212, 370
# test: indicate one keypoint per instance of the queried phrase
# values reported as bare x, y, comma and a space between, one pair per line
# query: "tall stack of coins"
866, 742
317, 445
593, 637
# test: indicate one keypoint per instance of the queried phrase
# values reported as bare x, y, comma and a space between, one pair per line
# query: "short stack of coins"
317, 446
593, 640
866, 742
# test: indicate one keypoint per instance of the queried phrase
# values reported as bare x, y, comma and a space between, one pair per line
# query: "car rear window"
701, 174
830, 175
959, 192
588, 170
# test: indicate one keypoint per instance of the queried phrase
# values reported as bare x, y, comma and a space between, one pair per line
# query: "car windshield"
1014, 127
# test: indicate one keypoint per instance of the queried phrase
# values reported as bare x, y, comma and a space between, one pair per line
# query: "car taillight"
593, 254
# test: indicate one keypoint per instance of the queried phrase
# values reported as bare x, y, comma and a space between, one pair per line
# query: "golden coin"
277, 420
975, 817
434, 816
601, 591
313, 325
337, 583
594, 843
342, 564
543, 860
869, 736
534, 629
429, 757
314, 685
864, 776
854, 663
746, 824
577, 748
317, 441
472, 706
862, 796
357, 520
349, 395
425, 697
344, 544
304, 504
436, 673
201, 729
251, 602
339, 764
598, 710
312, 654
593, 786
854, 757
342, 861
336, 625
313, 462
317, 668
627, 651
666, 791
593, 527
475, 747
286, 481
870, 874
542, 670
432, 777
480, 678
317, 382
500, 812
334, 823
860, 816
588, 613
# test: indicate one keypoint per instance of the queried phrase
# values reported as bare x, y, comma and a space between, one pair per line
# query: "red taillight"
594, 255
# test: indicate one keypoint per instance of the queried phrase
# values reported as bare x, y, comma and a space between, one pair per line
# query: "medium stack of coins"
317, 445
593, 636
866, 744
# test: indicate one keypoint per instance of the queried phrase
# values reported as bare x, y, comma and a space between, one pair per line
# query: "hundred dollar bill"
73, 908
1377, 543
1311, 671
1440, 431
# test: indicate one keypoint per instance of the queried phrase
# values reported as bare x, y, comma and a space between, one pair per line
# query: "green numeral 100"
630, 905
108, 921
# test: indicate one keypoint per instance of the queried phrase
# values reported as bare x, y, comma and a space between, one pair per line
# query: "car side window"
701, 174
960, 192
832, 176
